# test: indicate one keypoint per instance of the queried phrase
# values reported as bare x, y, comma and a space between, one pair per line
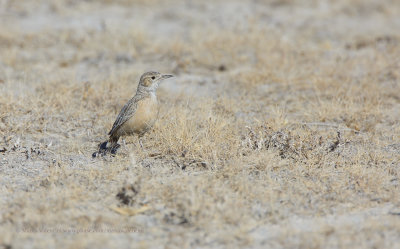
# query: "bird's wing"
125, 114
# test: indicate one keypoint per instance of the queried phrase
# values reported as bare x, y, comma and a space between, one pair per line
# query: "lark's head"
150, 81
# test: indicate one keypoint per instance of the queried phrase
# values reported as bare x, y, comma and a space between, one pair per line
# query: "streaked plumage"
138, 115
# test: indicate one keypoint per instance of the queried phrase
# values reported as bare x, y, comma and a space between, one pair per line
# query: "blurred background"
93, 39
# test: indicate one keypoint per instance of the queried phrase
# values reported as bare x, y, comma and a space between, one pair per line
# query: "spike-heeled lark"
138, 115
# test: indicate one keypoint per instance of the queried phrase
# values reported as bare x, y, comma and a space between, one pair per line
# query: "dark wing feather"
126, 113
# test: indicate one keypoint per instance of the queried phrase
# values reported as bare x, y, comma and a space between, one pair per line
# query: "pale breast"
144, 118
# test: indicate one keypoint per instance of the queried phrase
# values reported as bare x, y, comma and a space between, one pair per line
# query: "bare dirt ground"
280, 129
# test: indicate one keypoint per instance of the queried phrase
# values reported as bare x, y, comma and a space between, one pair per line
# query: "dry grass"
276, 132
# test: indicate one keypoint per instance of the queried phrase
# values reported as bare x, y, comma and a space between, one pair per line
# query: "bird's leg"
140, 142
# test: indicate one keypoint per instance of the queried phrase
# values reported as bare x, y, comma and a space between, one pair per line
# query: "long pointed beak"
166, 76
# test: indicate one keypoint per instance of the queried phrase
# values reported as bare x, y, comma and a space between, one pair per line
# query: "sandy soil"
280, 129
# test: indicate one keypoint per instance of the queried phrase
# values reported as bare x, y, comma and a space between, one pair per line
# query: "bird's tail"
111, 145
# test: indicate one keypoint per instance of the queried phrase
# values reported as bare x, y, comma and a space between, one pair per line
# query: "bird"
138, 115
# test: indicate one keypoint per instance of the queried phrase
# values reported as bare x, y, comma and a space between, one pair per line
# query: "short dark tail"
112, 145
108, 146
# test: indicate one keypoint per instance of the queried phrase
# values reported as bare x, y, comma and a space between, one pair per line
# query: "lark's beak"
166, 76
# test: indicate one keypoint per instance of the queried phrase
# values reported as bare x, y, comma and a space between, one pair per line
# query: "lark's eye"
153, 77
